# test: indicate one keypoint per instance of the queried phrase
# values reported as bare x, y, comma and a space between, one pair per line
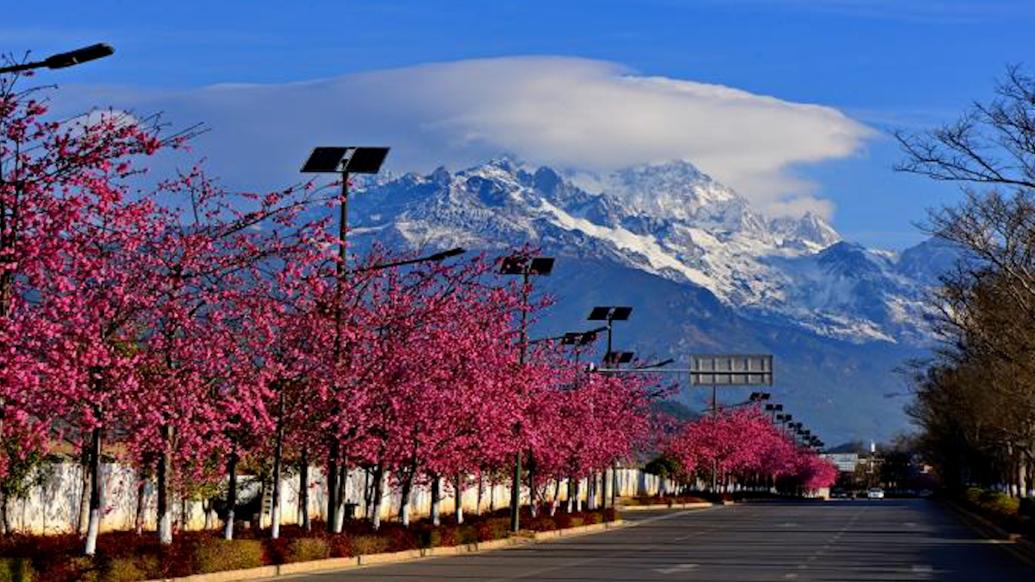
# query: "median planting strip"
392, 557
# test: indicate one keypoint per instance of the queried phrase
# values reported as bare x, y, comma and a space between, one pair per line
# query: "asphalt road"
837, 540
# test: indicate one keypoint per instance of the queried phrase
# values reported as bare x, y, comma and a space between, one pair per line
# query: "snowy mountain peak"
809, 228
669, 220
675, 189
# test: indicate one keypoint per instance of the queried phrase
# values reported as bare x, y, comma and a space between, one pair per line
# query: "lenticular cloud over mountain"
585, 115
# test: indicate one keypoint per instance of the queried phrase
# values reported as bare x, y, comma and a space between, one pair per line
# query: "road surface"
837, 540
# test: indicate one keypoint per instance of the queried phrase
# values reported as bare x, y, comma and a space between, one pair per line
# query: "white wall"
54, 507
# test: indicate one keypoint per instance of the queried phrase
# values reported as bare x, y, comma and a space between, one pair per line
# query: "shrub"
1002, 504
400, 538
131, 569
545, 522
16, 570
369, 544
592, 518
465, 534
494, 528
306, 549
611, 514
443, 535
217, 555
973, 495
340, 546
576, 522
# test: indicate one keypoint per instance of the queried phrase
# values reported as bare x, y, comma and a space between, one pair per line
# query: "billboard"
731, 370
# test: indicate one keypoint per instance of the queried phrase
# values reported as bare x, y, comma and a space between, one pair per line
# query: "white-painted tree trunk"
376, 509
164, 507
94, 521
436, 500
231, 496
458, 491
591, 492
481, 491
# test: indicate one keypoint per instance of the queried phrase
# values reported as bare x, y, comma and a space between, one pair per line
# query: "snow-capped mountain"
670, 220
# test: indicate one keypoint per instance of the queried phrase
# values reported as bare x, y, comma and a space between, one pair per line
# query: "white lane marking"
676, 568
790, 576
922, 568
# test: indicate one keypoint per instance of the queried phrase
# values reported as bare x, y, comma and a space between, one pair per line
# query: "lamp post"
341, 160
526, 266
610, 314
62, 60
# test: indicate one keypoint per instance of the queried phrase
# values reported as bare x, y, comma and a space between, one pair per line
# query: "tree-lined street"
844, 540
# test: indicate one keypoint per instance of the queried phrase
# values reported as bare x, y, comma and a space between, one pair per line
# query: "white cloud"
573, 113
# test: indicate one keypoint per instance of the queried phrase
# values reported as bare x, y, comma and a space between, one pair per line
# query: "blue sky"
882, 63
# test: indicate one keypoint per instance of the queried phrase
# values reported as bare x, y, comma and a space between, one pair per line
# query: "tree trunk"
436, 499
458, 489
83, 518
481, 491
533, 505
303, 491
378, 477
578, 500
164, 468
404, 501
591, 491
184, 521
231, 495
339, 520
6, 516
138, 520
367, 492
94, 524
278, 453
556, 497
206, 508
571, 495
332, 485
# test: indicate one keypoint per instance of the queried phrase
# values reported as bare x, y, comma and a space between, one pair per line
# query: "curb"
265, 572
1020, 547
696, 505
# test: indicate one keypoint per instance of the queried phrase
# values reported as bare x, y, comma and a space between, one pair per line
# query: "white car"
875, 493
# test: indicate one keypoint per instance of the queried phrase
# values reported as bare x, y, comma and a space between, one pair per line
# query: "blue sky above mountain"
878, 63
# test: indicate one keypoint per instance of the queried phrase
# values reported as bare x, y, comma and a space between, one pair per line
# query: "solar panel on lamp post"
524, 265
579, 340
610, 314
342, 160
62, 60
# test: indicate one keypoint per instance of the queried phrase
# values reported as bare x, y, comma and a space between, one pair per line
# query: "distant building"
846, 462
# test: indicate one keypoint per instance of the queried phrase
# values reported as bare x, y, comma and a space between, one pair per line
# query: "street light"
62, 60
341, 160
524, 265
610, 314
